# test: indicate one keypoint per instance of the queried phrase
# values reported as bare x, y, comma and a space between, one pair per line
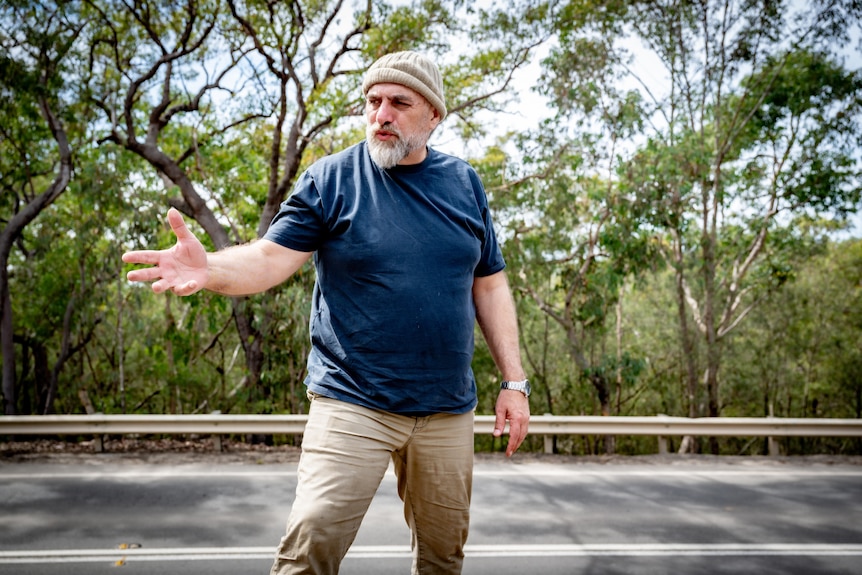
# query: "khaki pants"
346, 450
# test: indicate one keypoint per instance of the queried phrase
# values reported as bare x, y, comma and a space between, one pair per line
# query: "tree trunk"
713, 362
603, 390
709, 328
600, 382
195, 207
619, 398
688, 355
689, 443
121, 345
251, 339
41, 375
14, 227
10, 399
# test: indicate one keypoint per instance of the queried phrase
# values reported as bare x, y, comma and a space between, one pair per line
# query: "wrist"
522, 385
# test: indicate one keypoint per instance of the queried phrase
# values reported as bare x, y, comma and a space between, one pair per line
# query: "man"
406, 261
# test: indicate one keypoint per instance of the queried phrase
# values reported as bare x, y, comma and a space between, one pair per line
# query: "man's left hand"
512, 406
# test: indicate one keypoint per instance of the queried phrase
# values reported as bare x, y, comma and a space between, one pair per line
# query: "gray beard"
387, 154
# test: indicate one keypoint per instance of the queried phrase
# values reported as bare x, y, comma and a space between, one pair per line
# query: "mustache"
385, 129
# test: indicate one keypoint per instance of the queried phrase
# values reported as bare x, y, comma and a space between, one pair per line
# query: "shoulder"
455, 165
332, 175
347, 158
449, 162
456, 169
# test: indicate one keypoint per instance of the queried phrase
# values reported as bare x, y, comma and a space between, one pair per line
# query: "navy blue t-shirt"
397, 251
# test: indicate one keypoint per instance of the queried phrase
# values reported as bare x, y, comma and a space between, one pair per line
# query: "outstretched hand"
181, 268
512, 406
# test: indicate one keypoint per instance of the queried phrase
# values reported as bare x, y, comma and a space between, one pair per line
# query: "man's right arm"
251, 268
187, 268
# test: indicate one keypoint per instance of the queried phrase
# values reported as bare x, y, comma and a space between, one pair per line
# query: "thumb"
499, 423
178, 225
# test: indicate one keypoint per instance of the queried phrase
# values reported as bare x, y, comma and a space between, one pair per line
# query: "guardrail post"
774, 451
549, 439
98, 442
98, 439
770, 440
662, 440
217, 444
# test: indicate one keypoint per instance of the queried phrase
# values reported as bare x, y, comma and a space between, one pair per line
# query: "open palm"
181, 268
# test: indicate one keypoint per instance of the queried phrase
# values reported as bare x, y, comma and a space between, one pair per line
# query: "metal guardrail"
215, 424
548, 425
659, 425
662, 425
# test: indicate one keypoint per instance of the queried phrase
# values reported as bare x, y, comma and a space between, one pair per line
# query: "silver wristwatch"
523, 386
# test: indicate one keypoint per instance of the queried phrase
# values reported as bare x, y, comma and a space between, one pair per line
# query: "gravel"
205, 450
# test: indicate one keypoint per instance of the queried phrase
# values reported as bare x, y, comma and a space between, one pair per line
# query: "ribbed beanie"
412, 70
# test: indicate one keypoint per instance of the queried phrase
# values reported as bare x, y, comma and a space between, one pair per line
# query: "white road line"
399, 551
691, 472
663, 549
166, 474
526, 471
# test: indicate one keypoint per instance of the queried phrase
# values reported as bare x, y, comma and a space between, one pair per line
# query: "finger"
187, 288
141, 257
161, 286
517, 433
511, 447
513, 438
144, 275
178, 225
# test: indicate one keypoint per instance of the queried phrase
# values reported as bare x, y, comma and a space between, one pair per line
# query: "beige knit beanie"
412, 70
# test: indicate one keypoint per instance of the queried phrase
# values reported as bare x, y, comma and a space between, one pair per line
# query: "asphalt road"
690, 516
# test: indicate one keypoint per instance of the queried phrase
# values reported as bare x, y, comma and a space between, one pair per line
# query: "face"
400, 121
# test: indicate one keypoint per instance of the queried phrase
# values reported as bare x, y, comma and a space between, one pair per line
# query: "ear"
434, 120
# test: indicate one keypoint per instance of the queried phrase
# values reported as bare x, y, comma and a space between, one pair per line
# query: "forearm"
251, 268
495, 312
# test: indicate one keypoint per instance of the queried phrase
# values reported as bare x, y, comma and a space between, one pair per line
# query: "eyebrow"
402, 96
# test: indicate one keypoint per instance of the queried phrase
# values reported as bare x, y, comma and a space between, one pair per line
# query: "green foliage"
664, 225
421, 25
721, 174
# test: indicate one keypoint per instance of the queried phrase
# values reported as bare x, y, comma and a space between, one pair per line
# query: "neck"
415, 157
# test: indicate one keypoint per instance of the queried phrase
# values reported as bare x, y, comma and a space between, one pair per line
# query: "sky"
530, 108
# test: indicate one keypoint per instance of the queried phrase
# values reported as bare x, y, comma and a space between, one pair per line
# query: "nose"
385, 113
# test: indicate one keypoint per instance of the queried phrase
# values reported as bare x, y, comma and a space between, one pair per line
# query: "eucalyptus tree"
569, 237
274, 84
308, 59
760, 128
560, 240
749, 120
155, 68
807, 337
39, 130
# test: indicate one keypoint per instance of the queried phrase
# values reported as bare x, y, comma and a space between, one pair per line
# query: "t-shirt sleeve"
492, 260
300, 223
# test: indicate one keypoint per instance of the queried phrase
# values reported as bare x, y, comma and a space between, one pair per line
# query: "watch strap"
523, 386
